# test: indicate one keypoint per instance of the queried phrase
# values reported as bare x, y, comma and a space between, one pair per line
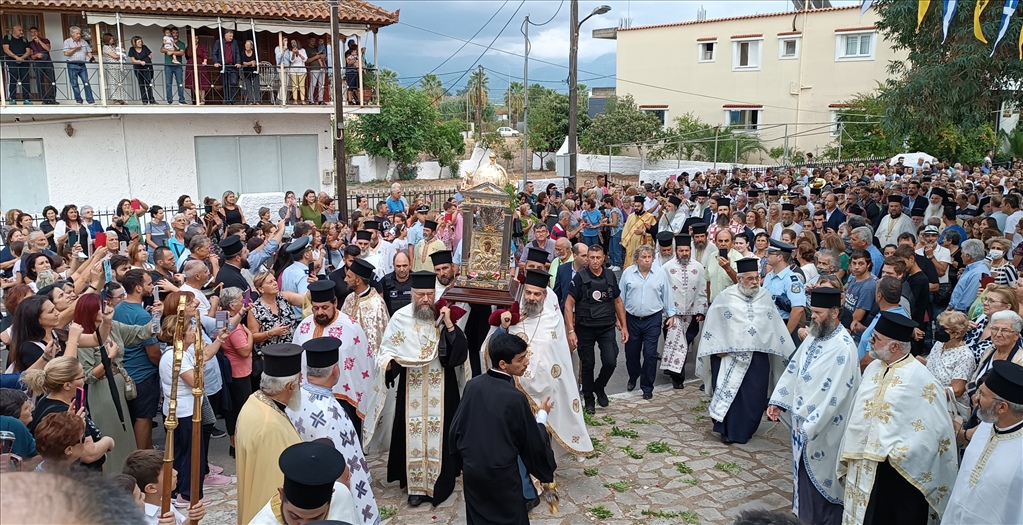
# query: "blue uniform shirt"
786, 283
295, 278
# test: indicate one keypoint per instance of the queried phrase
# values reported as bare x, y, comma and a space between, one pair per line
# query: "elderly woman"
1005, 327
272, 321
1002, 270
998, 298
238, 350
951, 361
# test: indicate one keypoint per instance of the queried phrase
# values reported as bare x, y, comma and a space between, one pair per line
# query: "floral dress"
949, 364
267, 320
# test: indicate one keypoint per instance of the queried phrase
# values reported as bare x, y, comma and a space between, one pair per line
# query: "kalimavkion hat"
683, 239
674, 200
537, 278
321, 352
825, 297
895, 326
788, 206
664, 238
749, 264
432, 225
310, 470
1006, 381
231, 246
362, 268
538, 255
700, 228
371, 225
895, 198
639, 198
424, 280
282, 360
364, 235
322, 291
441, 257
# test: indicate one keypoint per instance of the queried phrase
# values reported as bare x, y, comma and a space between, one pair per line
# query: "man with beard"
722, 218
699, 247
741, 333
689, 294
991, 475
397, 288
816, 391
426, 247
665, 252
364, 304
673, 216
899, 455
422, 355
894, 224
319, 418
383, 250
356, 381
639, 229
787, 222
702, 210
720, 264
834, 217
913, 200
264, 429
936, 204
230, 274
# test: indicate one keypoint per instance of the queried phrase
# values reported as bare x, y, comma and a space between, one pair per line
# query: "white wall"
145, 156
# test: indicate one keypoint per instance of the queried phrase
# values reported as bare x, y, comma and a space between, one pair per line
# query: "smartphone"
101, 239
311, 271
79, 398
221, 320
135, 205
246, 299
723, 253
208, 208
124, 247
107, 274
72, 238
156, 291
103, 300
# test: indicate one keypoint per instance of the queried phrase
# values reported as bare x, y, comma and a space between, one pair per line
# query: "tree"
862, 131
513, 101
401, 130
548, 121
478, 92
679, 141
621, 123
432, 86
445, 143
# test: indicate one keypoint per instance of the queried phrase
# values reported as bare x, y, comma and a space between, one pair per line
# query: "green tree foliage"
513, 101
696, 140
548, 120
478, 91
1012, 143
688, 129
862, 130
432, 86
445, 142
622, 122
401, 130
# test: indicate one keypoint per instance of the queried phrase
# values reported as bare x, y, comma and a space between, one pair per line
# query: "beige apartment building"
777, 75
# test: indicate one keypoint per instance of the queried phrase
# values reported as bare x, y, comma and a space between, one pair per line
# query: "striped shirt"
82, 54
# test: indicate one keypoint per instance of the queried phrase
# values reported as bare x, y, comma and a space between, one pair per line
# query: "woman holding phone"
71, 231
129, 211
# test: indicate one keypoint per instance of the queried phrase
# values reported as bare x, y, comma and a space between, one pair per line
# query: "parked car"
508, 132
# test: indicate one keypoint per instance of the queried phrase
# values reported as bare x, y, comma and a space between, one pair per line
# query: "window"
661, 114
855, 46
788, 48
743, 119
706, 52
23, 178
25, 20
746, 54
75, 19
256, 164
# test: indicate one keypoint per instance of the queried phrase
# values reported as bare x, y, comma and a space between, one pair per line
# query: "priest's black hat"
788, 206
815, 191
282, 360
682, 239
773, 192
689, 222
362, 268
665, 238
702, 193
322, 291
371, 225
424, 280
700, 228
321, 352
916, 212
748, 264
674, 200
895, 326
1006, 381
363, 235
432, 225
538, 278
723, 201
231, 246
297, 245
639, 198
535, 255
310, 470
753, 194
441, 257
895, 198
941, 192
825, 297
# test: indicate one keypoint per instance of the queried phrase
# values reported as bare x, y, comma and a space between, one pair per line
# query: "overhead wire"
474, 35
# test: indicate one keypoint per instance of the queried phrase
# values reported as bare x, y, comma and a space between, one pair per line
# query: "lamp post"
573, 93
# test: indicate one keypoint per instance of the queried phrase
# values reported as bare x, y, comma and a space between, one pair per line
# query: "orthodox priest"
816, 391
311, 490
991, 475
420, 352
742, 331
264, 429
689, 292
895, 223
356, 381
426, 247
320, 417
493, 429
639, 229
364, 304
665, 252
673, 216
898, 459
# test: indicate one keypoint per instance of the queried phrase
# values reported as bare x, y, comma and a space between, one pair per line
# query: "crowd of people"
878, 316
231, 66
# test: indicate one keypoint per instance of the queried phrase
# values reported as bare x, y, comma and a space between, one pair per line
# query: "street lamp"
573, 93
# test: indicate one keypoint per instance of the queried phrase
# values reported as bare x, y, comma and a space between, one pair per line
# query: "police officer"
593, 309
785, 285
397, 286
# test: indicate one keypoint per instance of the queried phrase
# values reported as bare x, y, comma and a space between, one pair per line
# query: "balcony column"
362, 86
102, 76
280, 64
376, 59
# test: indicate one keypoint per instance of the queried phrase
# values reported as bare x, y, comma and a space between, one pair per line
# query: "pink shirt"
240, 366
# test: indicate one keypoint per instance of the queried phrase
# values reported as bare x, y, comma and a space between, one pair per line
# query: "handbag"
130, 389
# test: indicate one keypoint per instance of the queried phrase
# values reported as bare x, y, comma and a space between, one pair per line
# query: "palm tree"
389, 76
432, 86
477, 89
513, 101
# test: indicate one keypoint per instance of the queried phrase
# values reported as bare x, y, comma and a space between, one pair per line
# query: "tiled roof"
850, 29
351, 11
744, 17
748, 35
707, 39
742, 106
790, 33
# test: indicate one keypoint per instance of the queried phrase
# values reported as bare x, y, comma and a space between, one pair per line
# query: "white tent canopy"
911, 158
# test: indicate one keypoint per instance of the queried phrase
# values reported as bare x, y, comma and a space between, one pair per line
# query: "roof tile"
744, 17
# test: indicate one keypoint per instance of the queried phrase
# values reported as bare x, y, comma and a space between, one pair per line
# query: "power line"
459, 50
551, 19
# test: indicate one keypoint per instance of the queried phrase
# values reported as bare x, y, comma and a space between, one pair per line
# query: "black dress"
46, 406
492, 429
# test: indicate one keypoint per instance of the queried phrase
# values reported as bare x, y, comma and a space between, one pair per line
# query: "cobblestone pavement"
659, 464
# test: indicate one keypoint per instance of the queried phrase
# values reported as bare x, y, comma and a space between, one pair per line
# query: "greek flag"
865, 6
946, 17
1007, 11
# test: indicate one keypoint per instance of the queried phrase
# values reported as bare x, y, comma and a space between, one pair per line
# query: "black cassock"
493, 428
452, 351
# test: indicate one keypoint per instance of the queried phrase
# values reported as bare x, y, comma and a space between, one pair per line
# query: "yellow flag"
1021, 44
977, 31
921, 11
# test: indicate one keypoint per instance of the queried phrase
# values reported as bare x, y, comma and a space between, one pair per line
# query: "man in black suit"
834, 216
913, 198
566, 272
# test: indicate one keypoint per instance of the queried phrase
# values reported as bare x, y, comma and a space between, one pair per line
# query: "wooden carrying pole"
171, 422
197, 394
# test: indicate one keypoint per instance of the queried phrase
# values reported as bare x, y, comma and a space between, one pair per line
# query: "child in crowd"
168, 44
146, 466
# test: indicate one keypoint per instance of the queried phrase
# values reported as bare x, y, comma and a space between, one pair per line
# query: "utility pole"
573, 94
340, 158
479, 104
527, 161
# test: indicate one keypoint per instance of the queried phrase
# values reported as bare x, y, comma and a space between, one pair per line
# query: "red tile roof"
748, 35
707, 39
351, 11
744, 17
790, 33
743, 106
849, 29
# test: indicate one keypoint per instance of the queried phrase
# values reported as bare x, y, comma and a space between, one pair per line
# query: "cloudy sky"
430, 34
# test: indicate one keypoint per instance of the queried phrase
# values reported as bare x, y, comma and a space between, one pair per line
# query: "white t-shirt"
204, 302
1010, 227
941, 254
185, 399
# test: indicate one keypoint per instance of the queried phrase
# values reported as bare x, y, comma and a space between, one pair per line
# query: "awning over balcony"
243, 24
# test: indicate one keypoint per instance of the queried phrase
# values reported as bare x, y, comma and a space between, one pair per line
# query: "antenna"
701, 13
624, 23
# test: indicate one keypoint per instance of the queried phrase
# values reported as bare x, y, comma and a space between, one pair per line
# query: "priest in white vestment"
312, 490
816, 392
898, 460
674, 216
689, 292
990, 482
895, 223
320, 417
742, 332
364, 304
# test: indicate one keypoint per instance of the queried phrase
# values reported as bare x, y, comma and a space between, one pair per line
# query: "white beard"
295, 403
749, 291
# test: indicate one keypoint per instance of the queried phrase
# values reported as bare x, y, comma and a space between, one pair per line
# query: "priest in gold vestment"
639, 229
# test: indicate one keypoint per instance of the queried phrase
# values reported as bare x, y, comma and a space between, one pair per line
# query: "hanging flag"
1021, 44
946, 17
921, 11
1007, 11
865, 6
977, 30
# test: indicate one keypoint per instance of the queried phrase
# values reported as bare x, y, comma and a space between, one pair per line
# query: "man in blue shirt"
415, 232
295, 278
888, 293
784, 285
141, 359
647, 298
396, 203
965, 291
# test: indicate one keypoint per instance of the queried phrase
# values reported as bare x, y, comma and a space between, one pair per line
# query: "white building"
97, 154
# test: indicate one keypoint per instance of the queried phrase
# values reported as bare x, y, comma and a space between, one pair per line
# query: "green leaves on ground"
729, 468
590, 472
659, 447
619, 486
601, 512
683, 468
624, 432
387, 512
632, 453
